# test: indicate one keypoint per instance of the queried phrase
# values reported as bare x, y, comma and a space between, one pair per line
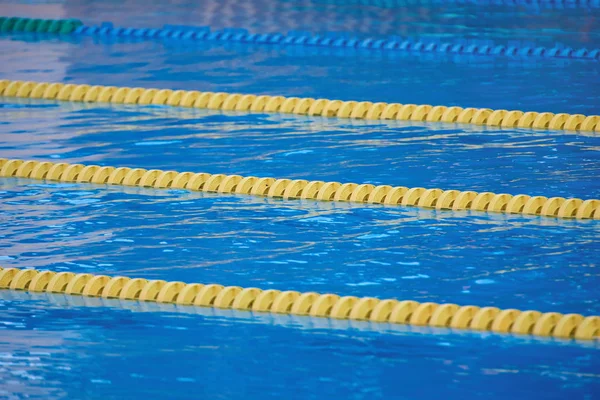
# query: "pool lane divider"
58, 26
301, 106
568, 326
296, 38
519, 3
557, 207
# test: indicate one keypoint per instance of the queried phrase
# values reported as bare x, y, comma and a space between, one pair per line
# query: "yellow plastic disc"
188, 293
39, 283
303, 304
59, 282
245, 185
278, 187
422, 314
245, 102
181, 180
189, 98
316, 108
411, 197
207, 295
484, 318
175, 98
525, 321
499, 202
544, 326
6, 277
21, 279
226, 296
534, 205
443, 314
165, 179
395, 196
361, 193
77, 283
323, 305
151, 289
363, 308
505, 319
311, 190
284, 301
429, 198
451, 114
496, 117
511, 119
231, 101
146, 96
25, 169
464, 200
402, 311
197, 181
162, 96
516, 203
375, 111
405, 112
261, 186
245, 299
435, 113
95, 286
327, 191
342, 308
212, 183
302, 106
567, 325
390, 111
294, 189
86, 173
463, 317
112, 289
331, 109
117, 176
288, 104
482, 201
551, 206
264, 300
344, 192
569, 208
229, 184
133, 289
526, 120
259, 103
346, 109
588, 329
588, 208
383, 310
378, 194
101, 175
446, 199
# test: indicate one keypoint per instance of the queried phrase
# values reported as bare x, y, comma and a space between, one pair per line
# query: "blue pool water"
56, 346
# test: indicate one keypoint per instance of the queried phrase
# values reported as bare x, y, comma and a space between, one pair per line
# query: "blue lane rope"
342, 40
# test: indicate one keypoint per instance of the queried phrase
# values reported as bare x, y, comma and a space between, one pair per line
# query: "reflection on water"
111, 349
412, 154
489, 82
353, 249
539, 21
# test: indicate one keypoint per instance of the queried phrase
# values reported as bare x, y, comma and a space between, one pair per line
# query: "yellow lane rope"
310, 303
303, 189
303, 106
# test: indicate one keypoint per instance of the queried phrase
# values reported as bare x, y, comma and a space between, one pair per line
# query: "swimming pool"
56, 345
